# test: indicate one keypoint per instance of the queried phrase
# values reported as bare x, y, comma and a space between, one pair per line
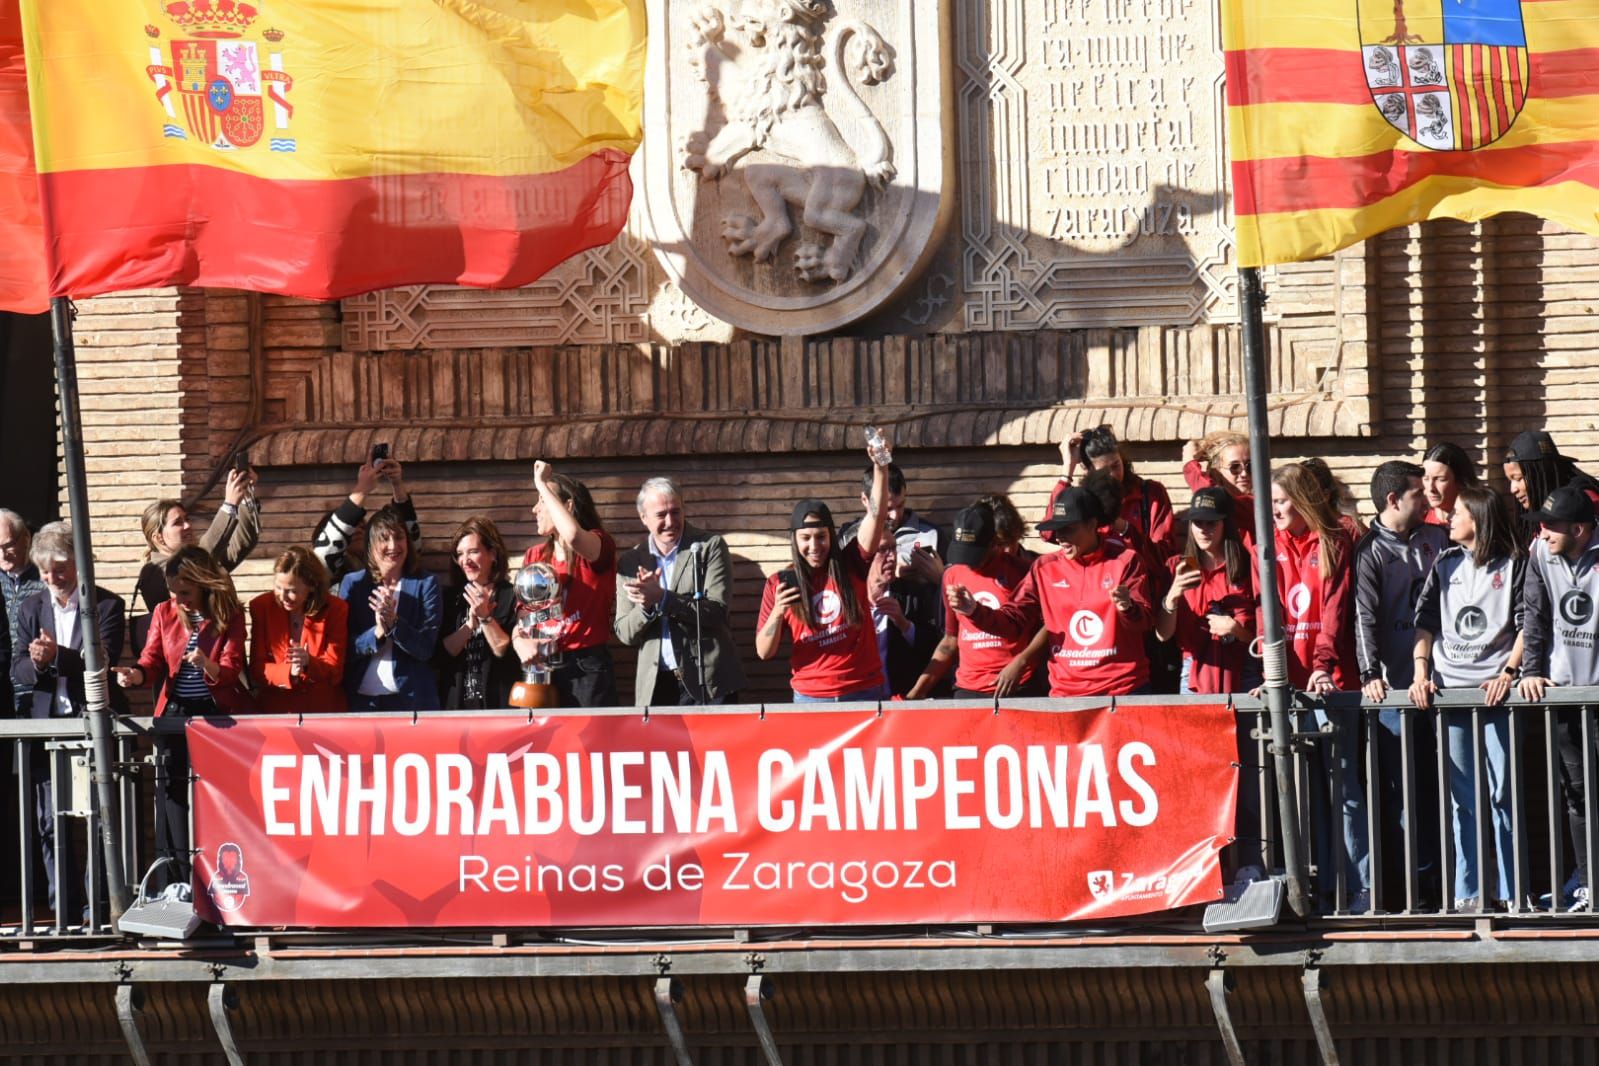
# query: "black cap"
1210, 505
1531, 445
1073, 505
801, 518
1566, 504
974, 534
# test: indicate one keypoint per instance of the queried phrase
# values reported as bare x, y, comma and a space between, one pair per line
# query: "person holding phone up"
821, 602
340, 536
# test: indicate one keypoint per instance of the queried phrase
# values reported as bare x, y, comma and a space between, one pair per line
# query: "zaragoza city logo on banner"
1451, 75
220, 86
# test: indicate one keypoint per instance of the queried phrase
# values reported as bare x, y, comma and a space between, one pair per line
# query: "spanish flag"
1350, 117
22, 281
322, 148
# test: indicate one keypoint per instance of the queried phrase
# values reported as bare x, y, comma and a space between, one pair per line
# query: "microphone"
694, 563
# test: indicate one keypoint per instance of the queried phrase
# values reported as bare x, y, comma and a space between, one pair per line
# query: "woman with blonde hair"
230, 538
1221, 459
298, 636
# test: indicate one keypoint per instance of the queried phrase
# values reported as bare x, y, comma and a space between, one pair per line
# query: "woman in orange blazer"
298, 633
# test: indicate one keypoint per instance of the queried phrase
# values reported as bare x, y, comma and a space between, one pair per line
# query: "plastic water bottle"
877, 447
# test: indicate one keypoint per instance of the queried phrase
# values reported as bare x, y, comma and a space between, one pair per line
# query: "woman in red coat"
195, 654
298, 633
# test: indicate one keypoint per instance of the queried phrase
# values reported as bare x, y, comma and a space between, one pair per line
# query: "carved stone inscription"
1097, 163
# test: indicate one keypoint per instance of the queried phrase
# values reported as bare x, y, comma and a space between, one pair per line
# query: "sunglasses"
1238, 468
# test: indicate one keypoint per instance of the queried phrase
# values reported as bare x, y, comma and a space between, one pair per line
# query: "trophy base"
533, 695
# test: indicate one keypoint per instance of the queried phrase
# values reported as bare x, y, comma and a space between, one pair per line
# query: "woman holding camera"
821, 601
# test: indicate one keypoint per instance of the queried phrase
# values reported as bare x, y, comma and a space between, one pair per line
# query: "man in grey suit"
672, 605
50, 668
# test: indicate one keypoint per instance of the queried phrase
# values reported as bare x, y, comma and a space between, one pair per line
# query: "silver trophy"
538, 590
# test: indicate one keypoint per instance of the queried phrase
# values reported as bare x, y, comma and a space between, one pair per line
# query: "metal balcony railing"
1396, 806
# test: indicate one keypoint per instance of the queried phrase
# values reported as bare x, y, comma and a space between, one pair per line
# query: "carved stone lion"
779, 135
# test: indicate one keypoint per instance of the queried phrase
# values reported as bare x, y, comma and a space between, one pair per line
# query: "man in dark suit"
672, 604
51, 668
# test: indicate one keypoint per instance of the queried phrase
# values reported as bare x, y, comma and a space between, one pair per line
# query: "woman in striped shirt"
194, 656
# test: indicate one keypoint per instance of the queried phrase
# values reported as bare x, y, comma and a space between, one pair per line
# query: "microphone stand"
699, 620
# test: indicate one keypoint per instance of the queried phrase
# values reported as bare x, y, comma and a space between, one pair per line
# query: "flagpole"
94, 665
1252, 300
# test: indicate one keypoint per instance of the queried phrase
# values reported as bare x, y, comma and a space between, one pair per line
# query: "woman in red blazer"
195, 652
298, 633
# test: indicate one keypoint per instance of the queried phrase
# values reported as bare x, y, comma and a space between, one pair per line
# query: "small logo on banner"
1471, 623
228, 87
1086, 628
827, 607
1576, 607
230, 886
1298, 600
1102, 883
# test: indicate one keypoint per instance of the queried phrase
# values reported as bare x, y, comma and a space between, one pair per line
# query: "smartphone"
241, 460
380, 452
788, 579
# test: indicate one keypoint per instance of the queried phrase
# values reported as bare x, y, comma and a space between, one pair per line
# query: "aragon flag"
1350, 117
323, 148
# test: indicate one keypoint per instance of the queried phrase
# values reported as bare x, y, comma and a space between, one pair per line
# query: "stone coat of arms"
795, 154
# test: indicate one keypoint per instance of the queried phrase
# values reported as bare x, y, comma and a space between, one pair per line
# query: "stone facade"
1077, 270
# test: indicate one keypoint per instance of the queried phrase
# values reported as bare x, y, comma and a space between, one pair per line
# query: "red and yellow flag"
328, 148
1350, 117
22, 280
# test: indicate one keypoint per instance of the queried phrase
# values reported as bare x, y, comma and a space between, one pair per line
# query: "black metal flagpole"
94, 664
1252, 302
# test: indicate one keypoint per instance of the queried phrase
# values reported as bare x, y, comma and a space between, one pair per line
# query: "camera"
380, 452
241, 461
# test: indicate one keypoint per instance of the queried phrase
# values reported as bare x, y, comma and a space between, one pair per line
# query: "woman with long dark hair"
821, 601
1445, 470
583, 556
1211, 603
298, 635
1210, 610
476, 667
394, 622
195, 652
1145, 502
1535, 468
194, 656
1315, 578
1468, 635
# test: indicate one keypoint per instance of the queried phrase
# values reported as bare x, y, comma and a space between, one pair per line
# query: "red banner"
914, 816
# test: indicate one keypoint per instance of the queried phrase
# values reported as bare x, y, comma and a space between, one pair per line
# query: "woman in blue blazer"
395, 611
